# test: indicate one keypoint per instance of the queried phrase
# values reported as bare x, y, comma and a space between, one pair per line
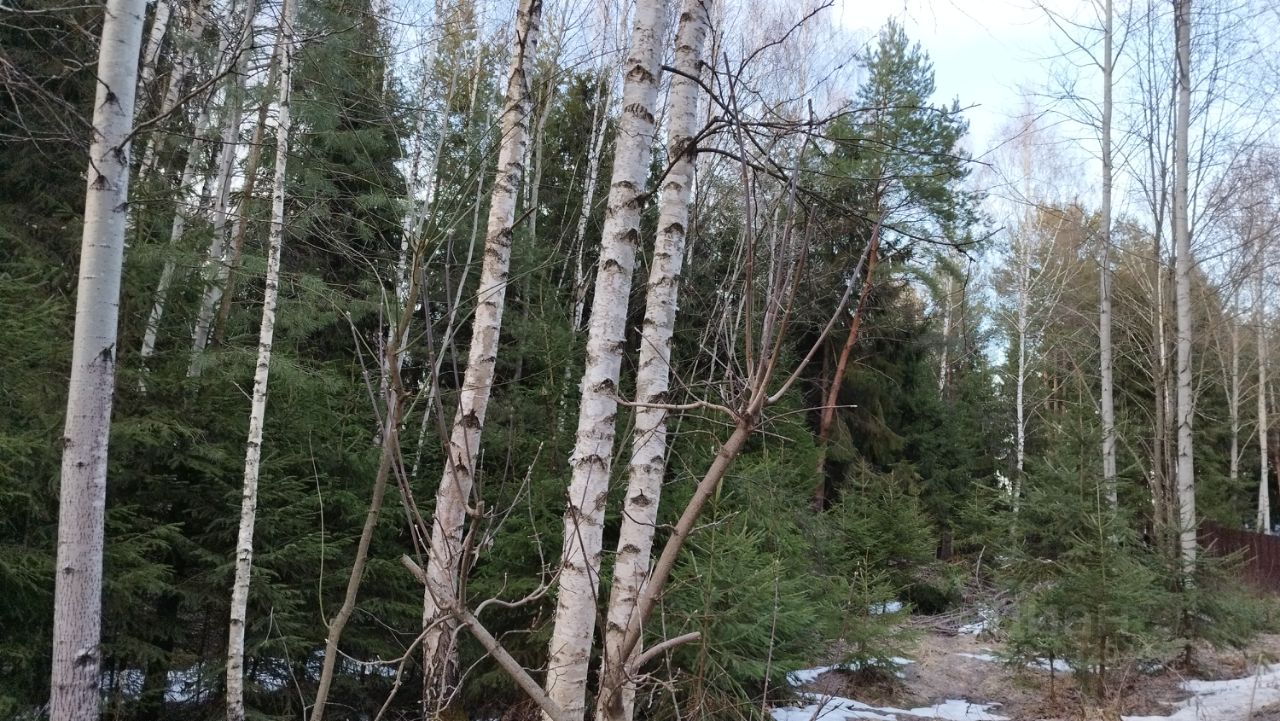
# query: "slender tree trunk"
181, 216
217, 267
1182, 292
239, 228
574, 632
444, 560
77, 602
215, 262
182, 64
257, 413
336, 625
946, 336
599, 121
1104, 275
155, 41
1259, 321
827, 418
1022, 320
653, 376
387, 465
1163, 497
1233, 398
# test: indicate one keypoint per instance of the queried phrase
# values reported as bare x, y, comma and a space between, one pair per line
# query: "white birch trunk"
257, 413
215, 263
599, 121
946, 336
571, 639
240, 225
180, 217
222, 181
1185, 467
182, 65
216, 266
1020, 383
1233, 398
155, 41
653, 376
1163, 398
454, 493
1259, 320
77, 601
1104, 296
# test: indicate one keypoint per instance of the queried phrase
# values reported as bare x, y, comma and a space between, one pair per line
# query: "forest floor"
963, 677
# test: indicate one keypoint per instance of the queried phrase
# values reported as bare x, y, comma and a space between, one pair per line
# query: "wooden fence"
1260, 553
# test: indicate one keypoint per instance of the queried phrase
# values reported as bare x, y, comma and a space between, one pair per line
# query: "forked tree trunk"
653, 377
574, 632
77, 601
257, 414
1185, 469
1108, 410
444, 561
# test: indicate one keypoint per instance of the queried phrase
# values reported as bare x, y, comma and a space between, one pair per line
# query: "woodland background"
946, 440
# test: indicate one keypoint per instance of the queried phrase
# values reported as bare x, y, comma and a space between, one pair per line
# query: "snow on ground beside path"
1041, 664
1045, 664
809, 675
836, 708
986, 621
1233, 700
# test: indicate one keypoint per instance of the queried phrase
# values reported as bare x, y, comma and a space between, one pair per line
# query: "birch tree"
215, 265
1185, 466
183, 64
258, 410
444, 562
1108, 408
653, 376
77, 601
1259, 322
155, 41
591, 461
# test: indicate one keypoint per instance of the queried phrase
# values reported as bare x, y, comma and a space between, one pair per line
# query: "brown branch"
495, 649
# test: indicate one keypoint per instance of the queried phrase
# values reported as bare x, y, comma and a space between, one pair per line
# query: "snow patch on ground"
1040, 664
1224, 700
836, 708
986, 622
1044, 664
878, 609
809, 675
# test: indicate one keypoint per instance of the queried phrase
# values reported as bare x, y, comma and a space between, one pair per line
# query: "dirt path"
966, 668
